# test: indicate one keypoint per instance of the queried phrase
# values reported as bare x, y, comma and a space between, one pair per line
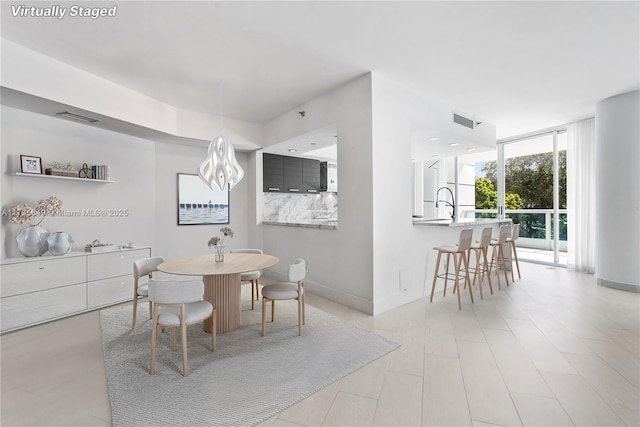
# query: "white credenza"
40, 289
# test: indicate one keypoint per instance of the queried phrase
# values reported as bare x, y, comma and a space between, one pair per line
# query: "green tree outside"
531, 177
529, 185
487, 196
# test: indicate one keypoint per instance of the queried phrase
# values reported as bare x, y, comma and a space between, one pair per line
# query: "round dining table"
222, 286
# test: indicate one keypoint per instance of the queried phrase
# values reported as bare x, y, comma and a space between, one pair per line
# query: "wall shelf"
70, 178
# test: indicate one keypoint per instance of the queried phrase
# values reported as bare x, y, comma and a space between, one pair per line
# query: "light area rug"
247, 380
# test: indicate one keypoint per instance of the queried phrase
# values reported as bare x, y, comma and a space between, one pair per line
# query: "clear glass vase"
219, 255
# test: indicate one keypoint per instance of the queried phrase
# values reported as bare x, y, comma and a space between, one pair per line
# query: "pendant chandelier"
220, 166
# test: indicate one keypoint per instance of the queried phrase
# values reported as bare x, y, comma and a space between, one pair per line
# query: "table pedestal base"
223, 291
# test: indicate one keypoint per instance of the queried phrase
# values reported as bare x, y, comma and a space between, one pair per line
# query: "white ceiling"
520, 65
320, 144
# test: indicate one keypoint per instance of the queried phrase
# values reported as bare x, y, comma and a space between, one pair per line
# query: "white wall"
618, 192
340, 261
392, 219
133, 168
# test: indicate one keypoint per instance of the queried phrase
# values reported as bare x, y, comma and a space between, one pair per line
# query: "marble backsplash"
284, 207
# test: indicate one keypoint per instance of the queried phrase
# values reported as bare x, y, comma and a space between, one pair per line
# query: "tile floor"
553, 349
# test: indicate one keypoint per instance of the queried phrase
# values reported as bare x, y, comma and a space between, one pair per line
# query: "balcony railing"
536, 226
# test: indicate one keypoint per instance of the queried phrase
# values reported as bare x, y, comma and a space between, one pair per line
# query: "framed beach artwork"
30, 164
198, 204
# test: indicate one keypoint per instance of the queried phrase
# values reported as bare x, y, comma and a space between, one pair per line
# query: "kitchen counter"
466, 222
308, 223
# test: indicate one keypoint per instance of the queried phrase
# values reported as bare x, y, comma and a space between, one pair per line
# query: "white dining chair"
178, 304
293, 289
251, 276
143, 267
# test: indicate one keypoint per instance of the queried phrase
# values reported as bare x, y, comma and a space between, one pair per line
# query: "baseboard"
617, 285
340, 297
401, 298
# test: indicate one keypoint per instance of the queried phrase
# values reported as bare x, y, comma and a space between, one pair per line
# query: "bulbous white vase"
60, 243
32, 241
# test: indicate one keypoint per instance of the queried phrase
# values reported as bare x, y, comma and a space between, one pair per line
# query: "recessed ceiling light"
434, 138
313, 143
292, 150
435, 155
454, 144
470, 149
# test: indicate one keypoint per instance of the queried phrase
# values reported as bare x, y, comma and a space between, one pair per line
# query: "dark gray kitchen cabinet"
310, 176
285, 174
292, 174
272, 173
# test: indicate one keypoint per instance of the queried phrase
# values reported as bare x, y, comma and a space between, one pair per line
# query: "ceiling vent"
78, 117
463, 121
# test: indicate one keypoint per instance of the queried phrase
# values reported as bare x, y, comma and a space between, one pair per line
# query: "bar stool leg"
466, 275
446, 274
435, 276
513, 278
504, 263
486, 266
494, 261
475, 273
515, 256
458, 261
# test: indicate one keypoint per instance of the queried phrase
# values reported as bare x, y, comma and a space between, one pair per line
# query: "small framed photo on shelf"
30, 164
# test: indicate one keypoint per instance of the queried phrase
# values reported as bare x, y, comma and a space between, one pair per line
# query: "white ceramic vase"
32, 241
60, 243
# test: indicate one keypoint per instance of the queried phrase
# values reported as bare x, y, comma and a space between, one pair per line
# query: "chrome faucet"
452, 204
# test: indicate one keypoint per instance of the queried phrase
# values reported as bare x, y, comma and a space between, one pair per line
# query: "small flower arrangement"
19, 214
216, 243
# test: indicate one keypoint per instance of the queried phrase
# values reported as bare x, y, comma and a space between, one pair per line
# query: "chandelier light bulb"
221, 167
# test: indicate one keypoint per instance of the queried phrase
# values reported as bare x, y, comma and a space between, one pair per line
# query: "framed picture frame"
30, 164
198, 204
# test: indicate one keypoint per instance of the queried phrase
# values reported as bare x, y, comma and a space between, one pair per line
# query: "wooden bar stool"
498, 254
511, 247
482, 264
461, 264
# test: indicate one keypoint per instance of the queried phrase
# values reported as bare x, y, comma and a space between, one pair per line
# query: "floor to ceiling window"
526, 179
535, 196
